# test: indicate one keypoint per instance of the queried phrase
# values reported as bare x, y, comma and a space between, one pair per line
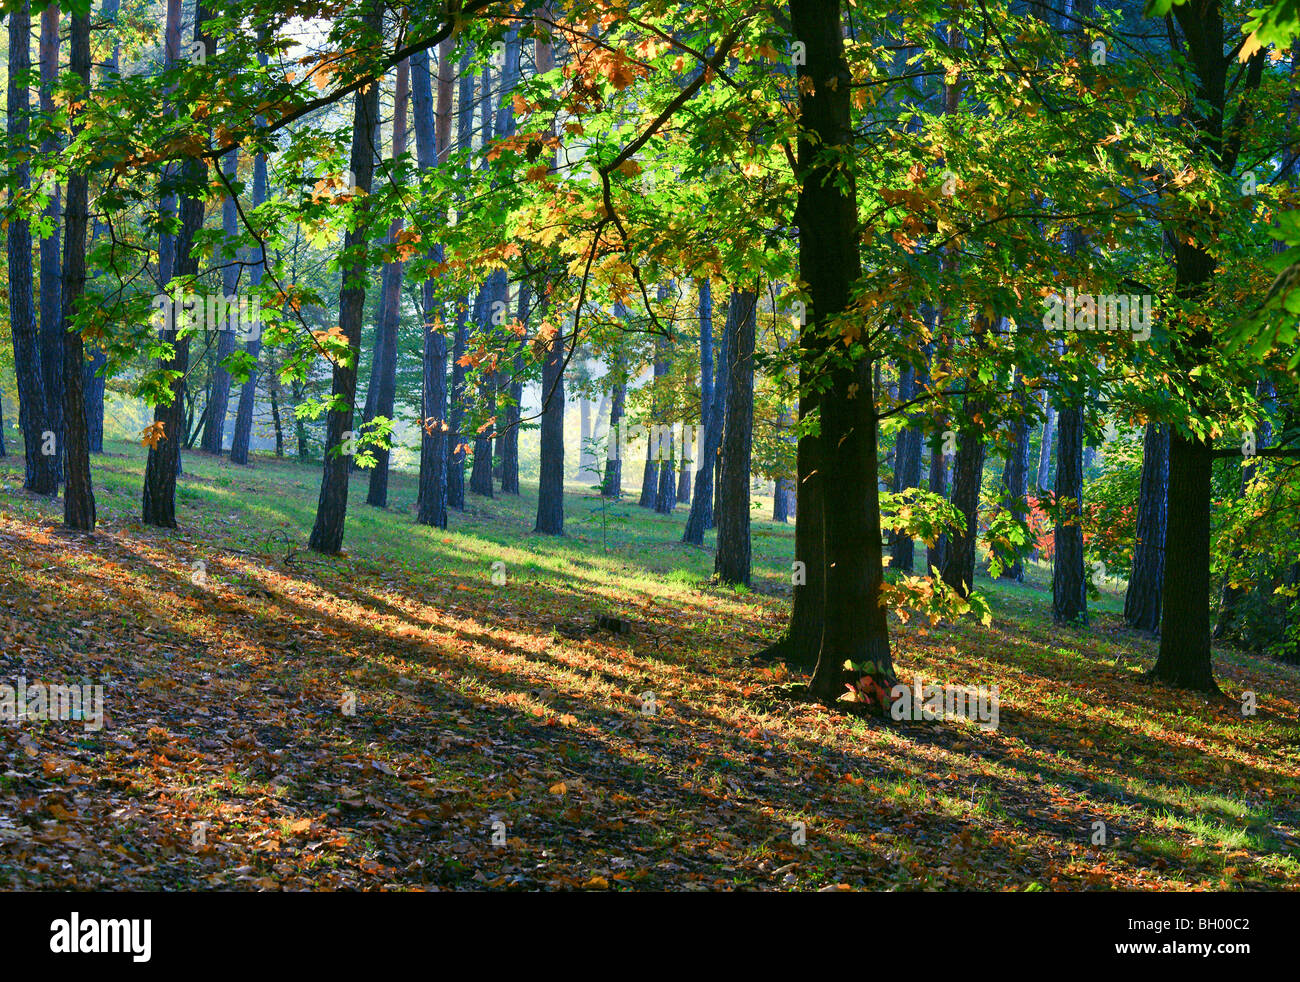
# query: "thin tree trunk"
331, 509
390, 302
158, 506
1069, 584
854, 627
214, 427
713, 404
40, 475
1015, 477
550, 487
959, 572
456, 412
907, 473
509, 440
242, 438
92, 380
612, 486
432, 145
79, 495
732, 562
51, 307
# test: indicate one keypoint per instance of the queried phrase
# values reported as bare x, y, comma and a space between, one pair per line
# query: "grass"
499, 740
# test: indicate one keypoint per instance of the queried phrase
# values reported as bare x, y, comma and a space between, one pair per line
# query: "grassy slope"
479, 704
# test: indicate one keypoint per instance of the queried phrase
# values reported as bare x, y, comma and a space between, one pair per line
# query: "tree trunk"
158, 506
40, 475
1015, 477
612, 486
959, 573
509, 440
331, 508
732, 562
214, 427
390, 303
456, 412
79, 495
700, 518
92, 381
1146, 580
51, 307
666, 493
495, 291
1069, 584
242, 439
550, 486
907, 473
854, 627
432, 124
1184, 658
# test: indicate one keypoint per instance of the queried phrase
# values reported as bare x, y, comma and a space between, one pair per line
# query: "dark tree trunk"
1146, 580
390, 304
93, 382
1015, 477
40, 475
456, 413
214, 426
854, 627
331, 509
163, 464
959, 573
277, 393
684, 478
1069, 584
666, 493
79, 496
732, 562
907, 473
51, 307
242, 438
496, 290
432, 144
1184, 658
713, 395
782, 499
612, 486
650, 476
167, 204
783, 487
550, 485
509, 440
936, 556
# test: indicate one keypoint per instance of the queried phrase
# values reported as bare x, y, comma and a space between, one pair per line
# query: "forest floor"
499, 740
